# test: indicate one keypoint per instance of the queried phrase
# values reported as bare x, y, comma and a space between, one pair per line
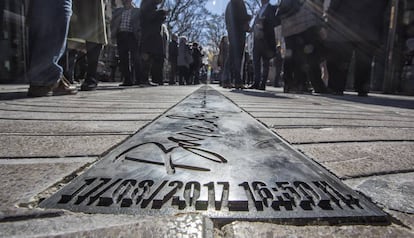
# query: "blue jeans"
48, 29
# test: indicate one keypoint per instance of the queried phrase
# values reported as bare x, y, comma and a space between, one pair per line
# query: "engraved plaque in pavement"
206, 155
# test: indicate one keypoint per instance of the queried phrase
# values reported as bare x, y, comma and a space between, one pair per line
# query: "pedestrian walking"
88, 24
126, 31
302, 28
47, 44
152, 44
353, 26
172, 59
264, 43
184, 60
237, 24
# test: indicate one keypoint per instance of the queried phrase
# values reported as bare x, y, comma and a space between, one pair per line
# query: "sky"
215, 6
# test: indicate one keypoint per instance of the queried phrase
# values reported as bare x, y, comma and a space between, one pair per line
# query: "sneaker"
64, 87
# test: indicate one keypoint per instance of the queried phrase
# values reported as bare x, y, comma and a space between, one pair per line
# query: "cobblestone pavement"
368, 142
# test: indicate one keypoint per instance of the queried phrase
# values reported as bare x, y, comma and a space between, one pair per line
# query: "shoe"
89, 85
126, 84
40, 91
228, 85
254, 86
151, 84
239, 86
64, 87
362, 94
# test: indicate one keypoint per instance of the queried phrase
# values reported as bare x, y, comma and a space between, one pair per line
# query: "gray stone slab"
348, 160
80, 225
340, 116
322, 122
103, 109
207, 156
57, 146
394, 192
85, 116
332, 134
21, 180
40, 127
248, 230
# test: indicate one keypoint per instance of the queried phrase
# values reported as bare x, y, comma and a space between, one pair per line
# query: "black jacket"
151, 21
357, 20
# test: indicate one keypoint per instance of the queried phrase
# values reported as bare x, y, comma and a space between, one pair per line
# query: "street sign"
206, 155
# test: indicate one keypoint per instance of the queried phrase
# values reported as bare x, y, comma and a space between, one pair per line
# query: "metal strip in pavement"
206, 155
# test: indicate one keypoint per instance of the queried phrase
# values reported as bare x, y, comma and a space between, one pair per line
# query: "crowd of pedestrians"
142, 45
316, 33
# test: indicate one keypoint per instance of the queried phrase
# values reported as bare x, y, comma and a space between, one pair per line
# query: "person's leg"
157, 69
93, 51
338, 60
123, 51
238, 58
265, 73
47, 43
363, 62
256, 67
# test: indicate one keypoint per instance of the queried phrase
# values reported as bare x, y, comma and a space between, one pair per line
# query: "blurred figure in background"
88, 23
126, 31
353, 25
237, 24
152, 44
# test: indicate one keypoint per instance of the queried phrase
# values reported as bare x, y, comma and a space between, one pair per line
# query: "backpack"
288, 8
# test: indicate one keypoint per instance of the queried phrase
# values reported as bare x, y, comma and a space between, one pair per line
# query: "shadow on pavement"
377, 99
266, 94
13, 95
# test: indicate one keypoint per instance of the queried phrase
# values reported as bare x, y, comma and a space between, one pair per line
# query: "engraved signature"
189, 140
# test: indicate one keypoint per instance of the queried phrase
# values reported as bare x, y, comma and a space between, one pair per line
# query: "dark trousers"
260, 64
338, 58
304, 62
236, 44
93, 51
363, 63
153, 64
183, 75
129, 57
173, 72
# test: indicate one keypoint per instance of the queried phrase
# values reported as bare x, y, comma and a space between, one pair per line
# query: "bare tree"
187, 17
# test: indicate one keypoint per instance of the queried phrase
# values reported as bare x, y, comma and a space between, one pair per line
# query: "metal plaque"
208, 156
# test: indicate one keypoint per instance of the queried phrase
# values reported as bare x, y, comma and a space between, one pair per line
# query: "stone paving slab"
394, 191
41, 127
362, 159
104, 109
57, 146
23, 179
82, 225
85, 116
248, 230
322, 122
340, 116
342, 134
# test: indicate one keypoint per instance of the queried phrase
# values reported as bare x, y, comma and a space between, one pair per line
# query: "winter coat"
356, 20
151, 21
309, 15
88, 21
185, 57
